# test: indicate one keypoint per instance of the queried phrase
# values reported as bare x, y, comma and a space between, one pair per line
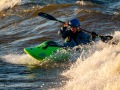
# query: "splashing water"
95, 67
20, 59
5, 4
100, 71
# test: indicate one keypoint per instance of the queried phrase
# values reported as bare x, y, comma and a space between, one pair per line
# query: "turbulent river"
97, 68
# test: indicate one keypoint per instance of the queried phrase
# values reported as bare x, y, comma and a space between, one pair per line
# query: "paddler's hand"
68, 39
94, 34
66, 24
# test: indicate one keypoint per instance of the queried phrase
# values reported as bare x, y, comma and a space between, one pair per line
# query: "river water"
96, 68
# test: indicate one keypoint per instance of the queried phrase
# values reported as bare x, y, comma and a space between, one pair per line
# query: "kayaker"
74, 35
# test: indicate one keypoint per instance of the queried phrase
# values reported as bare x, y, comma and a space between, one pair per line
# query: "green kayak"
45, 49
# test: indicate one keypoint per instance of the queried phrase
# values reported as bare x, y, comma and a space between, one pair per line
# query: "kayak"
44, 50
49, 49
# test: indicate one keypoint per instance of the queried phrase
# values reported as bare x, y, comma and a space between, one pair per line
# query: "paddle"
47, 16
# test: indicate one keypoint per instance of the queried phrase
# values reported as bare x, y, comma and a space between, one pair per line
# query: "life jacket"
82, 38
73, 39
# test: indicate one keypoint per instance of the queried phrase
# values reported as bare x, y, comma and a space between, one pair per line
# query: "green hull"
43, 50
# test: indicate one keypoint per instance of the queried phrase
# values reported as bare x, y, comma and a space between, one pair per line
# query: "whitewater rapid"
95, 67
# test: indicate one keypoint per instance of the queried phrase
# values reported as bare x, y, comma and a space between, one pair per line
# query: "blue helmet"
74, 22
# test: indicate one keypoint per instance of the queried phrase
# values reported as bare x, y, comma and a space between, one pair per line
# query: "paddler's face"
74, 29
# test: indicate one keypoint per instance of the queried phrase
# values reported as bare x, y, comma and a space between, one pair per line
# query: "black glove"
106, 38
94, 34
62, 30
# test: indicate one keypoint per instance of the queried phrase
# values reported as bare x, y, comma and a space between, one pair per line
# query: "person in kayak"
74, 35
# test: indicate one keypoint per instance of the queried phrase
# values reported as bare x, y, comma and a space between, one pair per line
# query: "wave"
115, 6
112, 7
6, 4
107, 7
100, 71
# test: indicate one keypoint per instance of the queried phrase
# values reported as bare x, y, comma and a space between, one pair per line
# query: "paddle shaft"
47, 16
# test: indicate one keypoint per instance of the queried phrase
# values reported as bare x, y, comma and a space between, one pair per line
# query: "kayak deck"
43, 50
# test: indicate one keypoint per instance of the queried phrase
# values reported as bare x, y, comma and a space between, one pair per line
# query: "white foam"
99, 71
5, 4
20, 59
98, 68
